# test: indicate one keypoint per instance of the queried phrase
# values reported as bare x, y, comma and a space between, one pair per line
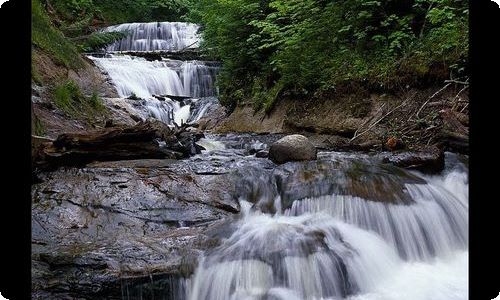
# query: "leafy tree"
270, 47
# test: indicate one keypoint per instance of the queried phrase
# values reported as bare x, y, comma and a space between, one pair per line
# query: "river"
345, 226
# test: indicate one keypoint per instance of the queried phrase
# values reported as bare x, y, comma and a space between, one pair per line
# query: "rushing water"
153, 36
343, 246
345, 226
137, 77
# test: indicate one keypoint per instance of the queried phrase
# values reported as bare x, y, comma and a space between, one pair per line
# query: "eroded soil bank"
360, 120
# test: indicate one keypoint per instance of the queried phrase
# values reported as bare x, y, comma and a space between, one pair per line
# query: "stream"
226, 224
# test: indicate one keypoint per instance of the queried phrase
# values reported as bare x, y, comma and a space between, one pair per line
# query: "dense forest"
271, 48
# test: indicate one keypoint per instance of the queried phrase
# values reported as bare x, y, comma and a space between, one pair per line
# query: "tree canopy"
272, 46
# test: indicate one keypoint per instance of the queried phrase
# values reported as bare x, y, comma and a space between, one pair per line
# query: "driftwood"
173, 97
431, 97
146, 140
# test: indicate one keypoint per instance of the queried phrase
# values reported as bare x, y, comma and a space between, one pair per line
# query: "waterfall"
198, 79
140, 78
346, 247
154, 36
133, 75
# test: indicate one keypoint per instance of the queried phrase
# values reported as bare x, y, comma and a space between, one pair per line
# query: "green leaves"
306, 45
99, 40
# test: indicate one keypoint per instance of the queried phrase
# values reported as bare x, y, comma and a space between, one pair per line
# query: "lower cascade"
345, 247
334, 245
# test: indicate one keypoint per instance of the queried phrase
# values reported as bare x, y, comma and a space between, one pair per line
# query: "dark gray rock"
293, 147
427, 160
95, 226
262, 154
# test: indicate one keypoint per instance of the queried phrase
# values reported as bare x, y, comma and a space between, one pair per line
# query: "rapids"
346, 247
345, 226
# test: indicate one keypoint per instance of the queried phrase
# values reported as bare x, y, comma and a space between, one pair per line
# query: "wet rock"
256, 146
213, 113
428, 160
134, 97
94, 227
372, 182
262, 154
293, 147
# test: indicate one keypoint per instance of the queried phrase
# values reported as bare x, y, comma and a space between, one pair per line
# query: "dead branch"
457, 82
465, 106
366, 121
383, 117
42, 138
457, 99
429, 99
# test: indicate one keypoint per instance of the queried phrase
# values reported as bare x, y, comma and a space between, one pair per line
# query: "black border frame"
15, 218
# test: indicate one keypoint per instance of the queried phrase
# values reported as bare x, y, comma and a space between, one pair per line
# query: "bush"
308, 45
51, 40
69, 98
99, 40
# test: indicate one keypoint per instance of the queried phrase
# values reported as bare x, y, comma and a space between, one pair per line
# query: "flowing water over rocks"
158, 84
229, 223
226, 224
155, 36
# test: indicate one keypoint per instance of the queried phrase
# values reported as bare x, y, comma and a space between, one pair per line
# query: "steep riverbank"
366, 121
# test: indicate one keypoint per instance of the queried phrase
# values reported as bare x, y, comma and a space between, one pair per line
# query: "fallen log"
146, 140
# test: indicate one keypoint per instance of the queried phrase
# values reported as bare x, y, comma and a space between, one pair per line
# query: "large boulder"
293, 147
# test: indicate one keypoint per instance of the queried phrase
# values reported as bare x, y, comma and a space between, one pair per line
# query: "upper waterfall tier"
155, 36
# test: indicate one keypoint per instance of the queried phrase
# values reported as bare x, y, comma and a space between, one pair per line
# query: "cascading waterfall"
345, 247
198, 79
154, 36
318, 230
135, 76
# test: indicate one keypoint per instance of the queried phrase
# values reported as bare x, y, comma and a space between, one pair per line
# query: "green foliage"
69, 98
52, 41
35, 74
99, 40
95, 102
271, 46
39, 129
77, 15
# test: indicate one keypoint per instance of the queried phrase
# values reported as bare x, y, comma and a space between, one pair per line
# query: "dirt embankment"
48, 119
361, 120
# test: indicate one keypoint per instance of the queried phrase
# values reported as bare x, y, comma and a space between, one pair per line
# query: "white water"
167, 36
328, 247
210, 145
341, 247
137, 76
134, 75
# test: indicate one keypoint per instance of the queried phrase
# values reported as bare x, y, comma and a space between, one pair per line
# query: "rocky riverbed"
107, 225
